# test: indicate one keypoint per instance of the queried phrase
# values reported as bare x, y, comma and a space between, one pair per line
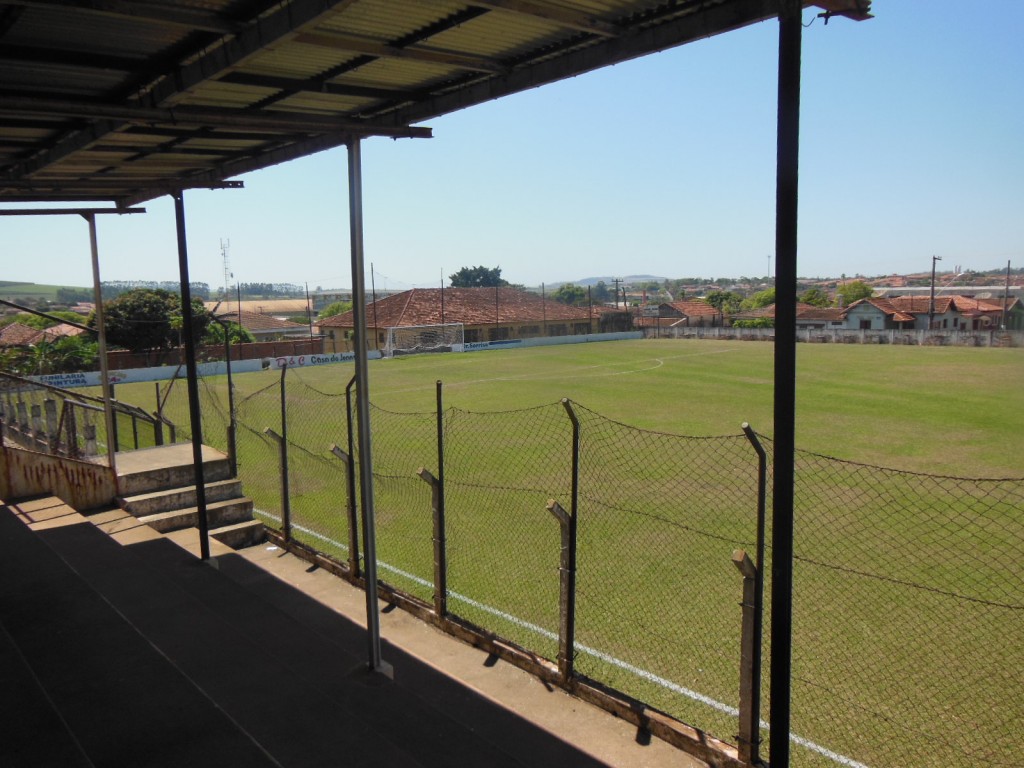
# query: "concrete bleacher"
119, 647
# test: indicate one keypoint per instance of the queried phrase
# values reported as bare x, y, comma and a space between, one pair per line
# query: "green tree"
149, 318
816, 297
725, 302
337, 308
477, 277
855, 290
236, 333
600, 293
760, 299
568, 293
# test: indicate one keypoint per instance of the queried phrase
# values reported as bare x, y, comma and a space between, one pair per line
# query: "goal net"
414, 339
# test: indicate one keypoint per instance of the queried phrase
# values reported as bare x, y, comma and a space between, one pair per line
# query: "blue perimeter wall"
163, 372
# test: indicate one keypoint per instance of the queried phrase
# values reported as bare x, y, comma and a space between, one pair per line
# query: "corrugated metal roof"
253, 83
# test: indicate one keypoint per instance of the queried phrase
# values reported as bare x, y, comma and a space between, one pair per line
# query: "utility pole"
617, 281
1006, 297
931, 300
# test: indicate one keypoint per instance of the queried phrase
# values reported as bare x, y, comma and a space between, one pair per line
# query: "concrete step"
167, 466
218, 513
240, 535
166, 500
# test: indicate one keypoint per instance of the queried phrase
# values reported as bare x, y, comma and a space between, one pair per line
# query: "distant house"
20, 335
691, 313
266, 327
808, 316
487, 314
957, 313
873, 314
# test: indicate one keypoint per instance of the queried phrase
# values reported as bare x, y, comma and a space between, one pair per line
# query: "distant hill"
626, 279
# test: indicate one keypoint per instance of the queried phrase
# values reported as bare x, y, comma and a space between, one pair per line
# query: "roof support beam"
371, 47
290, 20
143, 11
200, 116
784, 445
563, 17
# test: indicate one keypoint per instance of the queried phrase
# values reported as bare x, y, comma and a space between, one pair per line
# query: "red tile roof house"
266, 327
19, 335
808, 316
692, 313
487, 314
873, 314
956, 313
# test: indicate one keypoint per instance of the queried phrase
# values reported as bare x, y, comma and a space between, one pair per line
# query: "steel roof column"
355, 208
101, 335
787, 166
192, 377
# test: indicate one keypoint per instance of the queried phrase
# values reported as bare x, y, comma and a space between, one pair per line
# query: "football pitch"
896, 573
939, 410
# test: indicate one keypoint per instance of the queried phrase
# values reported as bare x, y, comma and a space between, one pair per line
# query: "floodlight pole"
355, 205
787, 175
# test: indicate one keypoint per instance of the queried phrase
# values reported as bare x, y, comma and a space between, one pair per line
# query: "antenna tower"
225, 245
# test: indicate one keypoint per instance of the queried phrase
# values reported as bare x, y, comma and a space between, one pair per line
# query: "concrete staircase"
156, 488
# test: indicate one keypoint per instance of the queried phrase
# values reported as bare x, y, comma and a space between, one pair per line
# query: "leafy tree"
568, 293
236, 334
756, 322
149, 318
816, 297
760, 299
725, 302
600, 293
477, 277
37, 321
337, 308
855, 290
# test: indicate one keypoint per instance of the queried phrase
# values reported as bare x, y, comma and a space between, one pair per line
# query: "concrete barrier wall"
80, 484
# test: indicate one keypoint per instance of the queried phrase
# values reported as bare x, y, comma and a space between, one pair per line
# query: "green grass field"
957, 411
22, 292
897, 573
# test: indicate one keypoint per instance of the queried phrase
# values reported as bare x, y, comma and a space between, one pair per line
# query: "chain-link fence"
908, 604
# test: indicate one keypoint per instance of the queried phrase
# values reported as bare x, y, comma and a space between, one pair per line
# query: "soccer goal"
414, 339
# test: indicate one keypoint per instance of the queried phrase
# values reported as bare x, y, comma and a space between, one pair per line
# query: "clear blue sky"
912, 144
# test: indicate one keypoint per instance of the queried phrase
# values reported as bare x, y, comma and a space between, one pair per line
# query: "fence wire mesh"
657, 594
503, 545
908, 604
908, 614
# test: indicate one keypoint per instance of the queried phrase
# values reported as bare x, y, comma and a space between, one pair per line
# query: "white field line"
642, 673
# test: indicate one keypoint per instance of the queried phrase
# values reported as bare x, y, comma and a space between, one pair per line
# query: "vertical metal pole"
101, 333
192, 377
355, 203
1006, 298
440, 530
787, 176
286, 496
350, 476
758, 610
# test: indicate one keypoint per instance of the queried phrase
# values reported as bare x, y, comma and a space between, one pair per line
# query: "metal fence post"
72, 426
757, 617
567, 591
440, 545
353, 534
286, 512
353, 517
749, 738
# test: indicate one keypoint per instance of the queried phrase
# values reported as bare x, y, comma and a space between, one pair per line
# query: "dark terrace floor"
118, 647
